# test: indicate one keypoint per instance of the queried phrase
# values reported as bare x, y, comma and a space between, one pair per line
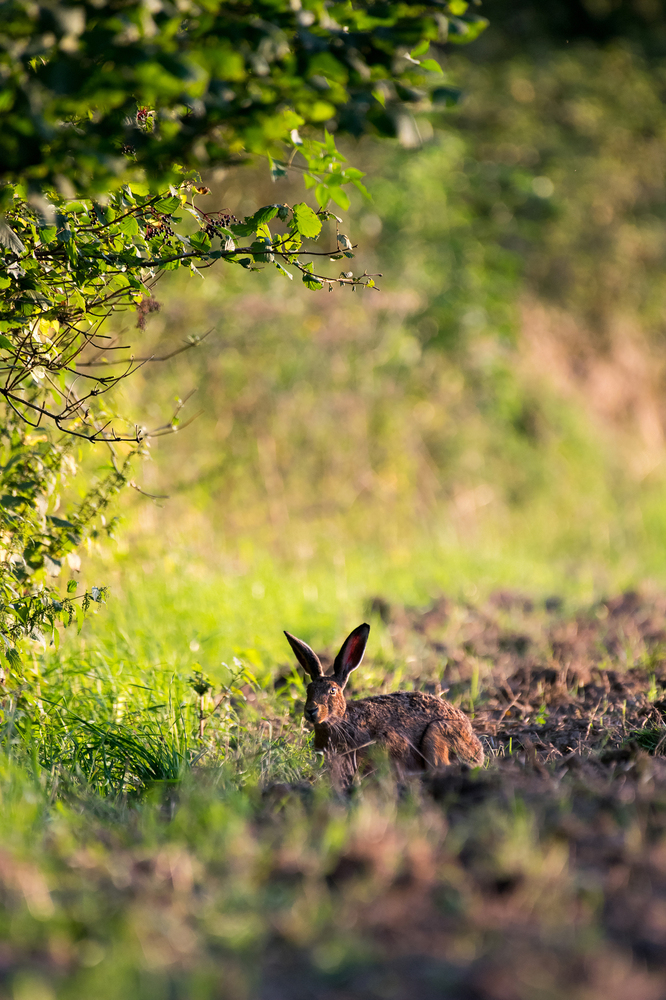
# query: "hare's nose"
311, 713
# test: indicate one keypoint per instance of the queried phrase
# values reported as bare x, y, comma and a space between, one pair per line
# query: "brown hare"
420, 731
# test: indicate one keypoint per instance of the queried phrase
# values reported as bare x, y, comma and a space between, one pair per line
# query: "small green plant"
653, 690
201, 685
651, 738
541, 716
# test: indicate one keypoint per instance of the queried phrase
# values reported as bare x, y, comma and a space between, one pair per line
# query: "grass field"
139, 858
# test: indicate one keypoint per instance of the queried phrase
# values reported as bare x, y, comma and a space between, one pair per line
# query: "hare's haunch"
419, 730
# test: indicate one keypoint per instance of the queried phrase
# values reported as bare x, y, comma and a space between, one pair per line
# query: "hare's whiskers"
346, 728
370, 743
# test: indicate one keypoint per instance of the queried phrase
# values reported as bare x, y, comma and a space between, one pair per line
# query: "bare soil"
546, 876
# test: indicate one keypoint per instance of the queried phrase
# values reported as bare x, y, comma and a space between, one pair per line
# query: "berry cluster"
217, 221
160, 226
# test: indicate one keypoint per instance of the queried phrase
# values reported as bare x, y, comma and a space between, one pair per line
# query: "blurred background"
493, 416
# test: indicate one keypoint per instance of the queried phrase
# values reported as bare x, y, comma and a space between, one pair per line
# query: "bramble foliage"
62, 280
37, 543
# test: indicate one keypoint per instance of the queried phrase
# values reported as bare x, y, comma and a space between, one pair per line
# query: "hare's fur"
419, 731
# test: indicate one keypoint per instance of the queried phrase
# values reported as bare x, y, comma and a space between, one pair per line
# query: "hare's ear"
351, 654
307, 657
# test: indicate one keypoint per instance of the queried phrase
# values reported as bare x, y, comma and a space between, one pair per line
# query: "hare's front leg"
435, 744
342, 768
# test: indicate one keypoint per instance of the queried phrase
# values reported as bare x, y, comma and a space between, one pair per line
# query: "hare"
419, 730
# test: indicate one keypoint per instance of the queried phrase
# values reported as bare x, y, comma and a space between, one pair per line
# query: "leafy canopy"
93, 93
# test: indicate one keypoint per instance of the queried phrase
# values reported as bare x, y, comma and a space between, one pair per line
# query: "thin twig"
153, 357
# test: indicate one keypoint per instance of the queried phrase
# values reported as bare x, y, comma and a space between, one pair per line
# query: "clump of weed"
650, 738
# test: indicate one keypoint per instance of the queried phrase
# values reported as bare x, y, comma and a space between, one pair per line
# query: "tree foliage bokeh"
217, 81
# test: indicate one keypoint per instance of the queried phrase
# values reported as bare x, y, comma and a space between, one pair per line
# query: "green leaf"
48, 234
74, 206
128, 226
104, 215
13, 659
263, 215
467, 31
76, 300
292, 245
319, 111
420, 49
284, 271
242, 229
276, 169
167, 205
59, 522
65, 233
261, 250
200, 241
340, 197
306, 221
4, 341
325, 64
311, 282
433, 66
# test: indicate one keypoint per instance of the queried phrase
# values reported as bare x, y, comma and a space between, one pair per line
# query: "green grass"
139, 859
650, 738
